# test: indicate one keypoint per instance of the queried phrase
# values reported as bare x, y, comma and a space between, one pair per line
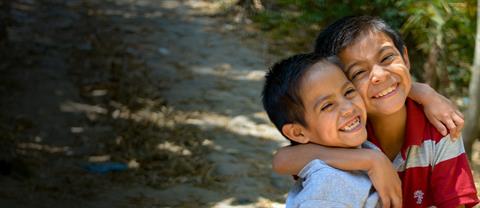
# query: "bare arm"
291, 159
440, 111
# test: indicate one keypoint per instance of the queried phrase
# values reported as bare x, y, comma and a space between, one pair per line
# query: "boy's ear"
295, 132
405, 57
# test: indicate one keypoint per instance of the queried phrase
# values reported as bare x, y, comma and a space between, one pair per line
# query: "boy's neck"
390, 131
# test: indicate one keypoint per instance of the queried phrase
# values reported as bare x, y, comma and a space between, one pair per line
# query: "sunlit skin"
334, 112
381, 76
373, 64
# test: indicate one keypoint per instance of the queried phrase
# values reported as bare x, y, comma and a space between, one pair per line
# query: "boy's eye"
326, 106
357, 73
350, 92
388, 58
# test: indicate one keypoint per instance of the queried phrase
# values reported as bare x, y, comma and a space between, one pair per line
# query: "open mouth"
351, 125
386, 92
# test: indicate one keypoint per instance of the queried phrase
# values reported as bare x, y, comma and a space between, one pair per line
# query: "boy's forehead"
322, 82
320, 73
366, 42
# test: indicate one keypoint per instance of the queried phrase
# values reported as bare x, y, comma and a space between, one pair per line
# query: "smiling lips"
352, 124
386, 91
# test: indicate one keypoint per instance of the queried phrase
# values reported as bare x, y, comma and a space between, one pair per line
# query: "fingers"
460, 114
385, 201
454, 123
451, 127
439, 126
396, 199
391, 201
459, 121
396, 202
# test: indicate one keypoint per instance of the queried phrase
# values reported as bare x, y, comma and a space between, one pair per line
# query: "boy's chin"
356, 139
390, 107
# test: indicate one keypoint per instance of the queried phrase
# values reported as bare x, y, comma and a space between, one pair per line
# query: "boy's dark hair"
281, 91
343, 32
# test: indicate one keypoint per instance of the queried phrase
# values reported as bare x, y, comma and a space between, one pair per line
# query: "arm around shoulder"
292, 159
440, 111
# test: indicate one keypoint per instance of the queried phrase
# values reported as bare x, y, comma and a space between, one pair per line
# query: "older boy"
310, 100
434, 169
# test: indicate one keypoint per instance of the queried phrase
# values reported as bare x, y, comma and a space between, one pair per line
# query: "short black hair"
344, 32
281, 91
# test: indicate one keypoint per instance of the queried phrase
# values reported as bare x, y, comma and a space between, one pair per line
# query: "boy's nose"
347, 109
378, 74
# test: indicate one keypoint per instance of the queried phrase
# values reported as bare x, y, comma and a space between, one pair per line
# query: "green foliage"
441, 29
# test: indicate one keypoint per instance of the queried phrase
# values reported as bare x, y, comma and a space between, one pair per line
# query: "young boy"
434, 169
310, 100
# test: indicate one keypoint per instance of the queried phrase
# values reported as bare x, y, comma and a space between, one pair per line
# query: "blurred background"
156, 103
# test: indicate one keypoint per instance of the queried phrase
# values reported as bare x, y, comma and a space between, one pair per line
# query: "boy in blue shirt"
310, 100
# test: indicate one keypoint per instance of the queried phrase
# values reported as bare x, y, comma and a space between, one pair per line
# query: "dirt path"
215, 81
164, 87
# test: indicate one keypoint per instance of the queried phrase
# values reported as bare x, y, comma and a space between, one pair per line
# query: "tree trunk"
251, 4
430, 66
472, 127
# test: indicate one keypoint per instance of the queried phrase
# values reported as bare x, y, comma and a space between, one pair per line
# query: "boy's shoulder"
321, 183
418, 128
317, 167
424, 143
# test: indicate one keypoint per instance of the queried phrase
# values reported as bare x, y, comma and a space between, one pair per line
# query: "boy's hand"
385, 180
440, 111
443, 114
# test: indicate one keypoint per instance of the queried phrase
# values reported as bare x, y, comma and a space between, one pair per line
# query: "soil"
169, 89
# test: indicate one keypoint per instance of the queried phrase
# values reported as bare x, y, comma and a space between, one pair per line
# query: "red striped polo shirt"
434, 170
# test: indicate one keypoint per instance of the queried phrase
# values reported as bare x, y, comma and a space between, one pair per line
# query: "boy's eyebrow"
320, 100
350, 67
382, 49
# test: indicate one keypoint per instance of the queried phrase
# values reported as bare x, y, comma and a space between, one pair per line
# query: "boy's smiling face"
379, 72
334, 112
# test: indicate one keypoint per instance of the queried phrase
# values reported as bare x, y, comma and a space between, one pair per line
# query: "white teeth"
384, 92
352, 125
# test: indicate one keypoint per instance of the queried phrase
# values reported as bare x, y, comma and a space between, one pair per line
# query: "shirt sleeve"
321, 204
331, 187
452, 182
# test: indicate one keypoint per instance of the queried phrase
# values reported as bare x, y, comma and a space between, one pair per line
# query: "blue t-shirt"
320, 185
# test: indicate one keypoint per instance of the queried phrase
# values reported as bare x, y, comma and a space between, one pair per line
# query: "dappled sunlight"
25, 147
227, 71
241, 125
161, 98
173, 148
91, 111
170, 117
170, 4
99, 158
76, 107
212, 7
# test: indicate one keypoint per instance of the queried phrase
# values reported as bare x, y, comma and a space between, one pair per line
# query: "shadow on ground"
87, 82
